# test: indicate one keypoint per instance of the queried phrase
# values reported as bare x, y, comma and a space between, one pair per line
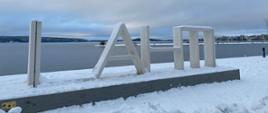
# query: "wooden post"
263, 53
145, 48
34, 53
178, 48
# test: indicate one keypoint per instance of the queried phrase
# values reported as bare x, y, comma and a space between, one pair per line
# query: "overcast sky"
96, 18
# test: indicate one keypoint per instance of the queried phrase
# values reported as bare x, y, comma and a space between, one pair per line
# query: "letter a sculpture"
119, 31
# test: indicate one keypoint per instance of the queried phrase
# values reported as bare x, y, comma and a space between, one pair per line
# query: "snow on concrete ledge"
64, 81
248, 95
67, 88
190, 27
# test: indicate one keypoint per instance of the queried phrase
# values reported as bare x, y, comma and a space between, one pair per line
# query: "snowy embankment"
64, 81
249, 95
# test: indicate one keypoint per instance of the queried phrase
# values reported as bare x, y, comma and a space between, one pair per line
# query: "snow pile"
248, 95
2, 111
13, 110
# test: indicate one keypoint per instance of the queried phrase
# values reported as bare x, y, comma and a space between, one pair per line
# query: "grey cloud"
98, 16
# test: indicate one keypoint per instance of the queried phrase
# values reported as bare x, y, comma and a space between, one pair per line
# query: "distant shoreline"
84, 55
25, 39
219, 39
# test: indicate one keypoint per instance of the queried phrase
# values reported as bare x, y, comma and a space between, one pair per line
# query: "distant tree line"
25, 39
240, 38
219, 39
243, 38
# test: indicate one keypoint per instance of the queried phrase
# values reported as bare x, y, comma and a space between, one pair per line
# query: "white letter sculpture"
209, 46
119, 31
145, 48
34, 53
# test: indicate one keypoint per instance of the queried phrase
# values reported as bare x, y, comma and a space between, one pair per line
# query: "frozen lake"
72, 56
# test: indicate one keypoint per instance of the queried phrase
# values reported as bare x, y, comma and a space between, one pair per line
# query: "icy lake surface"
72, 56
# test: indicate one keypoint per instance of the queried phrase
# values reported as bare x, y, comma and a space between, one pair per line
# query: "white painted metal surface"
195, 28
178, 53
194, 50
142, 64
145, 48
209, 45
209, 51
119, 31
34, 53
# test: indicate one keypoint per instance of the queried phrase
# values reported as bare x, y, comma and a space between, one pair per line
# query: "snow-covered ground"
63, 81
248, 95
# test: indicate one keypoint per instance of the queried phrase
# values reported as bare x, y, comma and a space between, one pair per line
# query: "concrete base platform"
33, 104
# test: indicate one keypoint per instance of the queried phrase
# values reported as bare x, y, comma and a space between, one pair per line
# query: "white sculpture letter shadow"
119, 31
